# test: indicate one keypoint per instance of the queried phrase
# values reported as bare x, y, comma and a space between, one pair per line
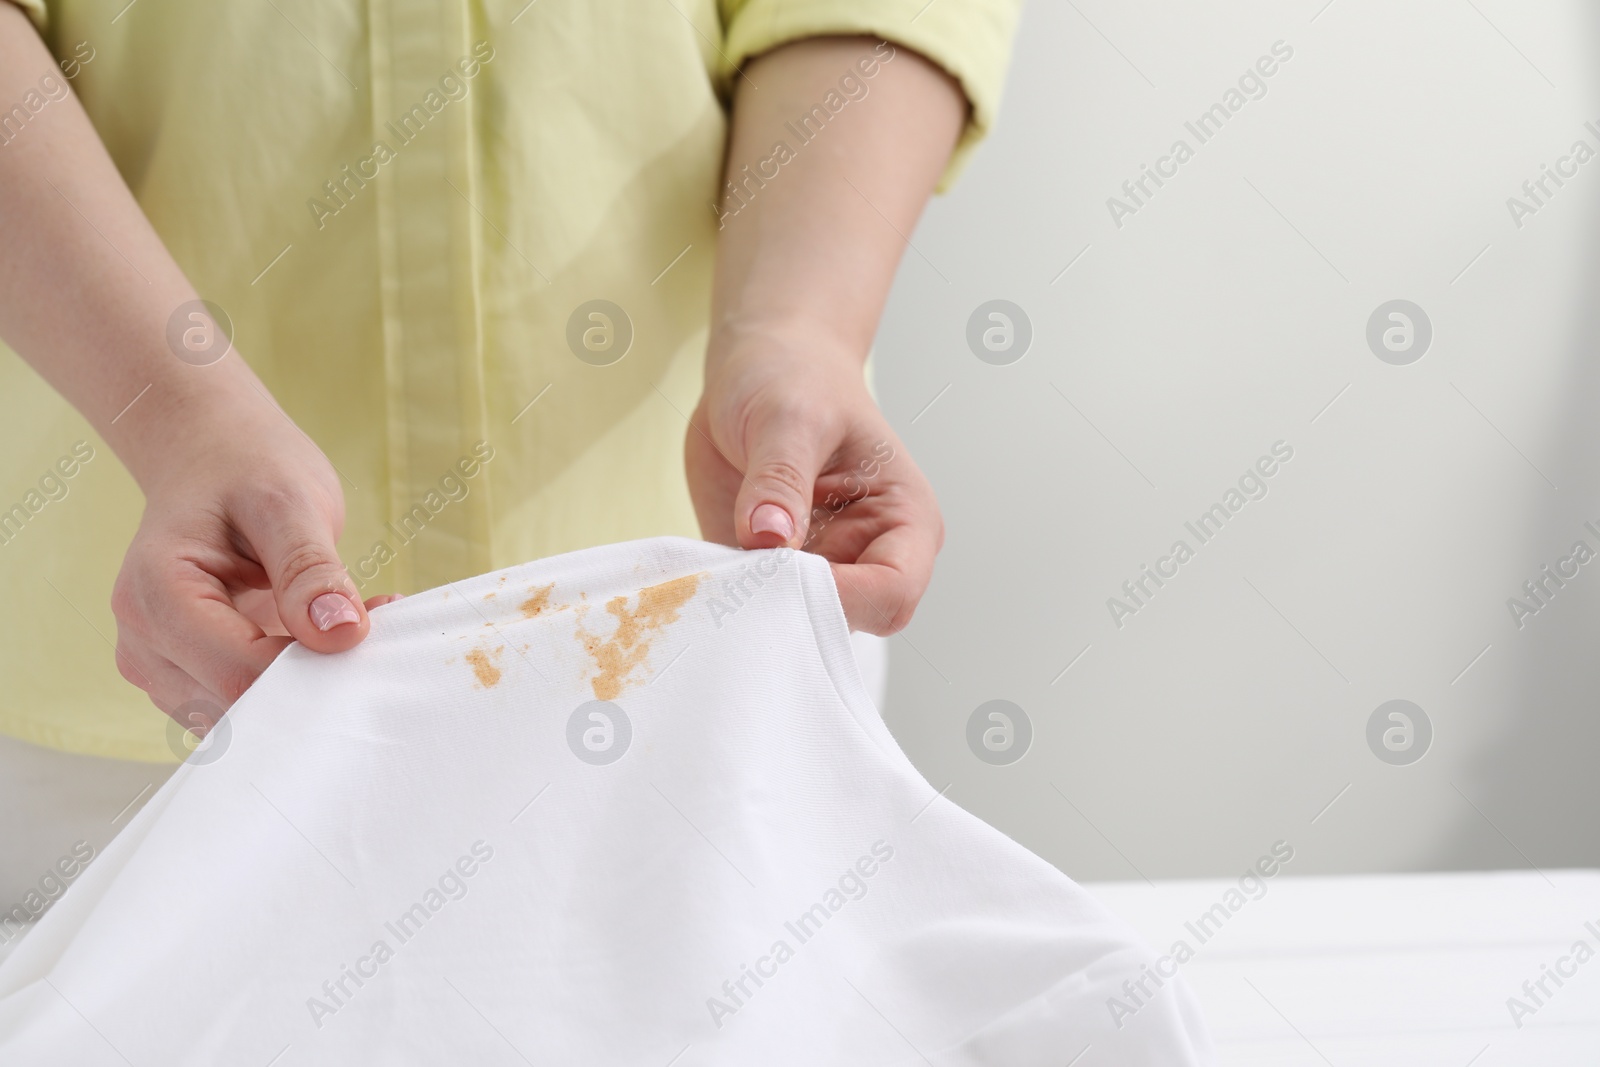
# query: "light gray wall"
1224, 316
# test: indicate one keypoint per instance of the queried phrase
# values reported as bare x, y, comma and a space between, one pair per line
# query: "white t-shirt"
625, 806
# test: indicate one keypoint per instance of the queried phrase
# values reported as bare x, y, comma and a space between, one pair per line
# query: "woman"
494, 261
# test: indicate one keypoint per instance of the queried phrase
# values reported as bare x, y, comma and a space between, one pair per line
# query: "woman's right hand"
235, 555
234, 559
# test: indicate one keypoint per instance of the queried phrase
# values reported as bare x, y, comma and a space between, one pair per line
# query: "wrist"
797, 371
803, 341
189, 416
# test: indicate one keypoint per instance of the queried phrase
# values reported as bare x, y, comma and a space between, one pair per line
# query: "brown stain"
538, 600
618, 656
487, 673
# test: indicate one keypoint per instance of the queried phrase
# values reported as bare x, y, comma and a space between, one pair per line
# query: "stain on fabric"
618, 657
483, 668
538, 600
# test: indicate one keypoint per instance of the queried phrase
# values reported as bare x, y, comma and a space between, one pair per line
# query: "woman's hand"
787, 448
233, 560
234, 556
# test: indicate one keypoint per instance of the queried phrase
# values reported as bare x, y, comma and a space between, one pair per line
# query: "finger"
784, 456
179, 696
862, 611
880, 591
713, 484
135, 666
317, 602
876, 598
260, 607
189, 705
195, 644
381, 599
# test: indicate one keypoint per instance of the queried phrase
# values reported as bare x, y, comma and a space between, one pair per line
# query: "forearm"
812, 230
86, 286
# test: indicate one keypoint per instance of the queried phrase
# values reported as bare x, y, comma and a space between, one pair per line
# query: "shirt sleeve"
35, 11
970, 39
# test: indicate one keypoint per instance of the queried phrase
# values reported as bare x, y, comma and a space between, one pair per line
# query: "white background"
1223, 317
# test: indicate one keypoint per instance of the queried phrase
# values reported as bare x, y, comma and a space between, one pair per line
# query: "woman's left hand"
787, 448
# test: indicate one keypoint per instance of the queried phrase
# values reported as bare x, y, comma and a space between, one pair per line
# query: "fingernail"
770, 518
333, 609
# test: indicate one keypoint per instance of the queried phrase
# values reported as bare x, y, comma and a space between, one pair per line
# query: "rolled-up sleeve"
970, 39
35, 10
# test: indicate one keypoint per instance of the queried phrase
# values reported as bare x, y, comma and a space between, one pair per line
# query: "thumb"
317, 602
774, 502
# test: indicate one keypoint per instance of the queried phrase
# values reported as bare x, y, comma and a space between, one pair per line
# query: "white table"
1381, 970
6, 946
1386, 969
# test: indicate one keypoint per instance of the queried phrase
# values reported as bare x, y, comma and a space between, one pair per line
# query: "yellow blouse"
467, 245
